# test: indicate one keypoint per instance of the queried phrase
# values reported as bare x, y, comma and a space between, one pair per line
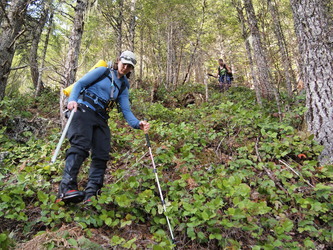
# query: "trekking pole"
159, 186
56, 152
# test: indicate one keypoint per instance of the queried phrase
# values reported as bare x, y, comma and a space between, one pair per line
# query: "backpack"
100, 63
224, 69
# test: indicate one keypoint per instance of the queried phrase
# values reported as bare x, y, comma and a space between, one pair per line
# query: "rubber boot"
68, 190
96, 178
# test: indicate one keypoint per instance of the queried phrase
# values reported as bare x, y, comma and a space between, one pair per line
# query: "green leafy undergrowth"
231, 173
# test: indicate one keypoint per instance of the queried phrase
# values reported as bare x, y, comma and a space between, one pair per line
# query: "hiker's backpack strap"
105, 74
120, 91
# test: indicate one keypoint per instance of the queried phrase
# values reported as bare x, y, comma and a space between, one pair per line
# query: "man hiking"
89, 130
224, 75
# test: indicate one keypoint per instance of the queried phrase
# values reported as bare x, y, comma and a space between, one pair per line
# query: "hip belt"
93, 101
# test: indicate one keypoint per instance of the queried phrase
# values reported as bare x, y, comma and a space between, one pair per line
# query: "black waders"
96, 177
68, 190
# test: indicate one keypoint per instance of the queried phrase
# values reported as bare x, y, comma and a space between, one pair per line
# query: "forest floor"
234, 175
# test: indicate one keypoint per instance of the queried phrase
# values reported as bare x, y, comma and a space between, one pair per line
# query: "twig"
19, 67
295, 172
257, 150
219, 145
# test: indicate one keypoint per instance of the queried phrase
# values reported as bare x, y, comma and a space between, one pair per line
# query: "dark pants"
87, 131
225, 82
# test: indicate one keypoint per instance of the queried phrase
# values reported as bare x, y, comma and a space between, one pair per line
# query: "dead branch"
295, 172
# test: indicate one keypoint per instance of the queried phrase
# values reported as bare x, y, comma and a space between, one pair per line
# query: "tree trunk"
3, 6
33, 57
170, 55
132, 25
264, 77
315, 37
206, 85
196, 45
245, 35
131, 31
75, 43
46, 43
140, 65
119, 26
287, 68
11, 25
260, 59
71, 63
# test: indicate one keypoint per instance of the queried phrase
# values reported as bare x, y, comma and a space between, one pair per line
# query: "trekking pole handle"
147, 136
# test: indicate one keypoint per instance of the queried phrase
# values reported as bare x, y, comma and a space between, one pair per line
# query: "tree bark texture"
245, 36
260, 58
119, 28
33, 57
141, 55
46, 44
72, 59
171, 55
268, 89
315, 39
3, 5
132, 25
286, 62
75, 43
12, 23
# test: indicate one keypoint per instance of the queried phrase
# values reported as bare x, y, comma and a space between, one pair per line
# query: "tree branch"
19, 67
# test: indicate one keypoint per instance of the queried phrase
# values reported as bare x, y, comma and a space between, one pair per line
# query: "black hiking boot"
89, 193
95, 181
71, 196
68, 190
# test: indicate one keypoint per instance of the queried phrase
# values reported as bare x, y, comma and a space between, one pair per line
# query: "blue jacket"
102, 89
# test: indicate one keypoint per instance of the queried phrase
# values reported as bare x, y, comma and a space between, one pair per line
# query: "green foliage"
227, 171
5, 241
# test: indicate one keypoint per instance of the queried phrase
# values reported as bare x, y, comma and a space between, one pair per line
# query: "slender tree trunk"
206, 85
33, 57
260, 59
264, 76
119, 28
287, 68
46, 43
132, 25
171, 57
131, 31
12, 23
315, 36
75, 43
141, 57
71, 63
203, 18
179, 64
248, 49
